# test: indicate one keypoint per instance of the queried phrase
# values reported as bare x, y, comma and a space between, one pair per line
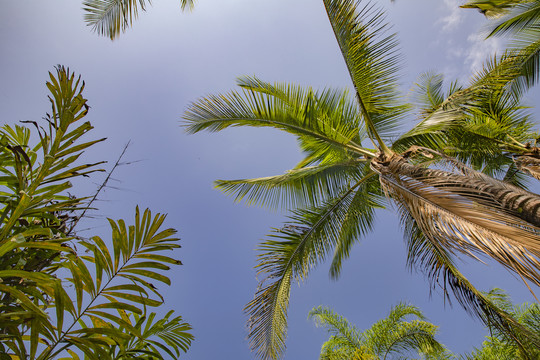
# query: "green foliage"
397, 336
371, 56
392, 336
36, 212
455, 176
491, 8
521, 20
61, 294
503, 344
112, 17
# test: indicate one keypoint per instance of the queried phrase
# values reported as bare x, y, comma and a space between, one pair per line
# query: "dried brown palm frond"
439, 266
466, 214
528, 164
528, 160
492, 192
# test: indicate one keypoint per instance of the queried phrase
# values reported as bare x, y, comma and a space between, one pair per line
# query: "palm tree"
111, 17
446, 206
392, 336
502, 346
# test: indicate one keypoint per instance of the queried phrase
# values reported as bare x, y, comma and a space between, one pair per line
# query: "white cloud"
453, 17
480, 49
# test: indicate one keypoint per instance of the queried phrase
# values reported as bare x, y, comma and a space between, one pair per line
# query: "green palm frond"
42, 314
301, 112
394, 334
112, 17
521, 21
37, 176
96, 319
501, 344
168, 335
301, 187
337, 326
35, 210
373, 63
359, 221
523, 15
438, 115
122, 281
291, 252
333, 168
332, 108
391, 336
488, 86
491, 8
491, 134
428, 93
485, 132
527, 46
336, 348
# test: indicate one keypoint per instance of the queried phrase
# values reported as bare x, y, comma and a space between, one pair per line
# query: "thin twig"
101, 187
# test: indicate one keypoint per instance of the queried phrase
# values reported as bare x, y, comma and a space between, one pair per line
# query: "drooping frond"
526, 45
438, 265
358, 222
529, 165
463, 214
112, 17
302, 112
373, 63
291, 252
306, 186
331, 106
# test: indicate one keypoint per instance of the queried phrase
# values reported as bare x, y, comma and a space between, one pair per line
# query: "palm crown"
404, 331
447, 204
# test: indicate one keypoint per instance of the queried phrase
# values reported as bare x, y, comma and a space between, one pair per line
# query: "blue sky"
139, 86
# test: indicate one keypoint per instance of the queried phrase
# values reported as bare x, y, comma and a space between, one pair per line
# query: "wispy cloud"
453, 15
480, 49
464, 57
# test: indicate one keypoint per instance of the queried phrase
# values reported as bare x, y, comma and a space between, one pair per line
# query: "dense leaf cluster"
60, 294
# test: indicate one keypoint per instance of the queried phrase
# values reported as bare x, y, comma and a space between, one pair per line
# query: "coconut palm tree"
403, 332
356, 162
112, 17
